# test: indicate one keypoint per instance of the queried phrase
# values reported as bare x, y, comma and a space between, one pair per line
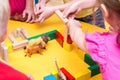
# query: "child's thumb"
23, 15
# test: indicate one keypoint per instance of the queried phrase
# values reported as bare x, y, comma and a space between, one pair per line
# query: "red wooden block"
69, 39
59, 38
67, 74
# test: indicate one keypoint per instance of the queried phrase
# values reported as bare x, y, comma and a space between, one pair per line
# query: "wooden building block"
67, 46
95, 69
69, 39
59, 38
55, 73
50, 33
85, 75
24, 33
88, 59
16, 32
4, 51
65, 20
67, 74
20, 44
9, 46
81, 54
5, 54
50, 77
12, 38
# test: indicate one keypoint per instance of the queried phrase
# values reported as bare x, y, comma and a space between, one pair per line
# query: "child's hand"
39, 6
44, 13
72, 11
73, 27
30, 15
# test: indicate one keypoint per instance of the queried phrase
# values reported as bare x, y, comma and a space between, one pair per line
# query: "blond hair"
4, 15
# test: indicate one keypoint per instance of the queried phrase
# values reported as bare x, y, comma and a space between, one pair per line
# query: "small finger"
29, 18
24, 14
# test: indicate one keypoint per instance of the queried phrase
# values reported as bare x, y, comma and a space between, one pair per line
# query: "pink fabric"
104, 50
8, 73
17, 6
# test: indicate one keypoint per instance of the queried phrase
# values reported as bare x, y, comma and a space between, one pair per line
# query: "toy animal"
33, 49
36, 45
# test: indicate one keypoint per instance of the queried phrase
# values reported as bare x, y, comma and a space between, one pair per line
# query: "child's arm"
29, 11
79, 5
43, 2
76, 34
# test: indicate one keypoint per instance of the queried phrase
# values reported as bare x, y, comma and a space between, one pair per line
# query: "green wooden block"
95, 69
50, 33
88, 59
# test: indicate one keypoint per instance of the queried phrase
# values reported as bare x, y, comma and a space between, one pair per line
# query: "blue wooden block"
50, 77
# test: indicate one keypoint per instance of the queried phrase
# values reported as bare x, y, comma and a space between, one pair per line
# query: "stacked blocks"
60, 39
94, 67
18, 33
54, 34
67, 45
85, 75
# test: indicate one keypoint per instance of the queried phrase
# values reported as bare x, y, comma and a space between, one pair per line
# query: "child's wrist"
29, 8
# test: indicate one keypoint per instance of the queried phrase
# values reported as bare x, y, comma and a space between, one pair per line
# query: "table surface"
41, 65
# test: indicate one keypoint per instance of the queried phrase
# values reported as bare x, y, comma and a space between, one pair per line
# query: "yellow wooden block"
81, 54
9, 46
55, 73
85, 75
96, 77
67, 46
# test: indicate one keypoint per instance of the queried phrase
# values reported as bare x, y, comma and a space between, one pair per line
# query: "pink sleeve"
17, 6
96, 47
9, 73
